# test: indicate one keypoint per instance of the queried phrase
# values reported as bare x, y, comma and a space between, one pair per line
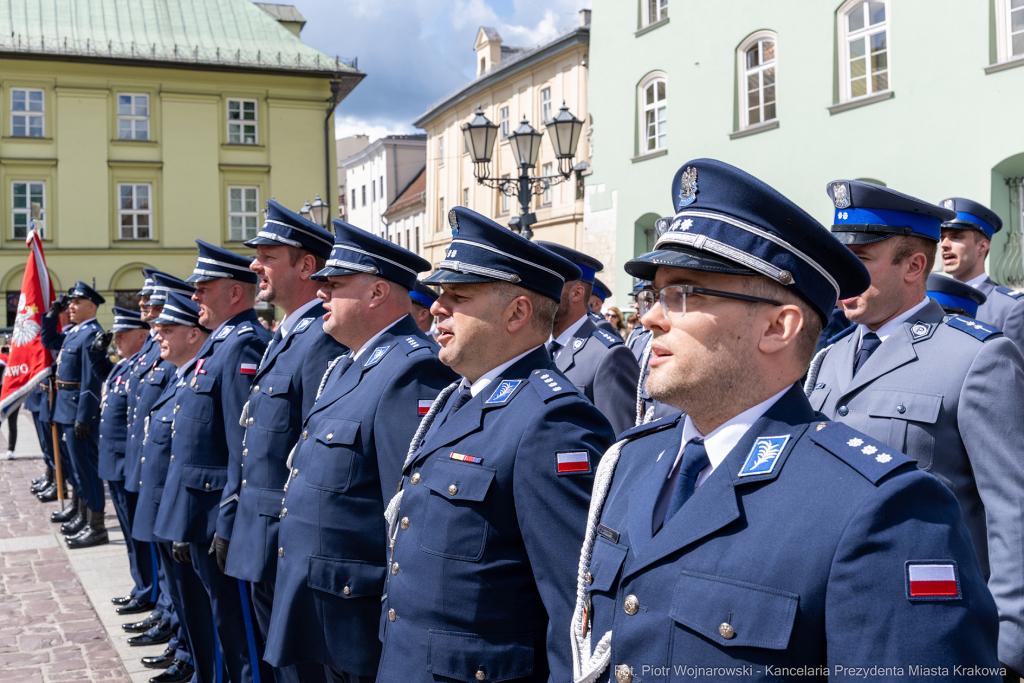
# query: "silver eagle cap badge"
688, 187
840, 195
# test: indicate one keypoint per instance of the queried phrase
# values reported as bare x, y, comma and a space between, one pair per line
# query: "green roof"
232, 33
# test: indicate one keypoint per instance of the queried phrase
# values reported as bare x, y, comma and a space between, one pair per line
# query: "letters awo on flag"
30, 362
932, 580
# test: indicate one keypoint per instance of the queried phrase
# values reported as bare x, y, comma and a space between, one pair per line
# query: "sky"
414, 52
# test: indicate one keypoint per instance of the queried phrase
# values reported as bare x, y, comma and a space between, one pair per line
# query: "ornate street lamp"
320, 212
565, 137
525, 143
480, 136
306, 211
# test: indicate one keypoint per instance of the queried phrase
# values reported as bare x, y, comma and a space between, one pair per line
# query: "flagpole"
57, 475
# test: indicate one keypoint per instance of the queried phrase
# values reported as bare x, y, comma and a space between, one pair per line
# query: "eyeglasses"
673, 299
611, 315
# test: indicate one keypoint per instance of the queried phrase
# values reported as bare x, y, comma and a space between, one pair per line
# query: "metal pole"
57, 475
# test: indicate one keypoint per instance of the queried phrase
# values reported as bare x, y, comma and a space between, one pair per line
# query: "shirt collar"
888, 328
84, 322
570, 332
289, 321
975, 281
488, 377
373, 340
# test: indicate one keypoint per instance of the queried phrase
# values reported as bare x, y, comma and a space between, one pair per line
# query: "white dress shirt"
488, 377
184, 368
976, 281
888, 328
289, 320
569, 333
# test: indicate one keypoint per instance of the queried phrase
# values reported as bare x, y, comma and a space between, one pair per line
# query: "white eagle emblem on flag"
25, 327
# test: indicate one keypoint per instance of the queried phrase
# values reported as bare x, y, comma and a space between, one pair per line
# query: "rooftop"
415, 193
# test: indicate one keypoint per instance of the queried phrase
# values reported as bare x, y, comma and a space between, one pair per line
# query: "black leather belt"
67, 386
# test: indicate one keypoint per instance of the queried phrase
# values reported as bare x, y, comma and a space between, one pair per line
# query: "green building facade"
923, 96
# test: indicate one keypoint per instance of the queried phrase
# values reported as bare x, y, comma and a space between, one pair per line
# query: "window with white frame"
25, 193
243, 213
442, 220
653, 115
382, 187
364, 195
373, 190
546, 169
654, 11
864, 27
28, 113
1015, 25
353, 197
758, 83
135, 211
545, 105
504, 197
440, 149
465, 197
242, 122
503, 119
132, 116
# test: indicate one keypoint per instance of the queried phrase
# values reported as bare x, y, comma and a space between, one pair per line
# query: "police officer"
965, 242
751, 532
931, 384
207, 445
38, 403
80, 373
596, 361
598, 294
332, 552
423, 298
638, 337
955, 297
494, 491
188, 622
289, 251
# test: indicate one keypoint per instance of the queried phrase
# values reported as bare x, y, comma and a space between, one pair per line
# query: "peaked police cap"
217, 263
867, 213
80, 290
289, 228
972, 215
360, 251
955, 296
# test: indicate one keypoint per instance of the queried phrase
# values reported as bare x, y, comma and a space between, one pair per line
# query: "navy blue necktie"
695, 459
277, 336
553, 349
461, 399
343, 365
868, 344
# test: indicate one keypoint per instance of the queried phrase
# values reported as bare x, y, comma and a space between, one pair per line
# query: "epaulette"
595, 317
872, 459
1012, 293
607, 338
550, 383
651, 427
840, 334
978, 330
414, 343
244, 330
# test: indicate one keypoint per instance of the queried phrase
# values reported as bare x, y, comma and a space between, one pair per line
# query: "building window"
417, 240
654, 11
27, 113
465, 197
373, 190
546, 169
353, 197
443, 220
654, 115
758, 82
504, 122
135, 211
382, 187
545, 105
243, 213
504, 197
242, 122
440, 149
866, 44
132, 117
364, 195
23, 195
1016, 27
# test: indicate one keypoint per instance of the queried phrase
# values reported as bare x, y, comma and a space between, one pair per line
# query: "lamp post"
564, 133
320, 211
306, 211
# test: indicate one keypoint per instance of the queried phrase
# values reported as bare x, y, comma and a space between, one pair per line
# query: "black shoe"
135, 606
161, 633
144, 625
40, 483
165, 660
178, 673
73, 525
91, 536
123, 600
48, 494
70, 510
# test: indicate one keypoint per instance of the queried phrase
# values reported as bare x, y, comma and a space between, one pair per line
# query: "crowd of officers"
815, 471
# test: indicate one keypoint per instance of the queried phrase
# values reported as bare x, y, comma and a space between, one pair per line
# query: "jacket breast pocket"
273, 410
333, 456
160, 430
346, 578
204, 479
270, 503
912, 417
605, 562
455, 510
463, 656
198, 405
760, 616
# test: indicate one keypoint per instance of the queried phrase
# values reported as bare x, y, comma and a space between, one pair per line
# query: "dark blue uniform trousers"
303, 672
237, 631
45, 435
197, 640
142, 562
85, 461
168, 611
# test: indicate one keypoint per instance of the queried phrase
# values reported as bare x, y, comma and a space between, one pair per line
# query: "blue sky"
415, 51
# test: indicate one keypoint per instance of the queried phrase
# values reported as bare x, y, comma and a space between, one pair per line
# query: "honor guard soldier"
930, 384
965, 242
289, 251
493, 495
207, 445
423, 298
955, 297
595, 360
751, 532
332, 542
80, 373
189, 618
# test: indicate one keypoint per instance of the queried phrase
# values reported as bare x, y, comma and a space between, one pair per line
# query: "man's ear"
379, 292
781, 328
518, 313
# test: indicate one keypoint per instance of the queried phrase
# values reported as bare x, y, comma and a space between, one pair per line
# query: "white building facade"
377, 175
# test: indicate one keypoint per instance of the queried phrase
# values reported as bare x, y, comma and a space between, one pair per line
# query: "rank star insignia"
855, 442
683, 226
883, 458
688, 187
840, 195
868, 450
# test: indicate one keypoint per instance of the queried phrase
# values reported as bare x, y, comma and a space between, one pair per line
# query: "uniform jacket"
114, 422
935, 389
637, 341
77, 363
147, 378
156, 454
481, 574
284, 388
602, 323
1003, 310
207, 439
331, 556
802, 560
604, 370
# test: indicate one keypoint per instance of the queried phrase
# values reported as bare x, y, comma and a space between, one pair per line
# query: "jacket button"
280, 552
452, 490
391, 614
207, 486
305, 435
405, 522
727, 631
415, 478
901, 409
623, 674
330, 436
284, 513
256, 389
295, 473
394, 568
143, 459
172, 458
245, 452
481, 674
101, 436
102, 420
177, 408
250, 421
346, 590
843, 411
140, 483
631, 605
590, 578
243, 483
270, 390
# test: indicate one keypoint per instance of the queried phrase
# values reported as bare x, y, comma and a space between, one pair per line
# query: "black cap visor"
868, 234
450, 277
959, 224
263, 240
646, 266
332, 271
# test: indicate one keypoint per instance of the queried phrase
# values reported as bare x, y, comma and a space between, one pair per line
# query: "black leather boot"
49, 494
40, 483
178, 673
94, 533
69, 511
161, 661
76, 523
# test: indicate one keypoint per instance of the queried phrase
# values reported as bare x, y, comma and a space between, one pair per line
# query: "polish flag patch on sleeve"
572, 462
932, 580
248, 369
423, 405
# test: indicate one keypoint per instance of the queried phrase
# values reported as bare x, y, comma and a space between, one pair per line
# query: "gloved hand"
181, 552
82, 430
102, 341
219, 547
57, 307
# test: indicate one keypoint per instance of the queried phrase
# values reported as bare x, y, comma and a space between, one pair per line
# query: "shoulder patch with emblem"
1012, 293
413, 343
376, 356
572, 462
607, 338
303, 324
932, 580
873, 459
976, 329
504, 392
651, 427
550, 384
224, 332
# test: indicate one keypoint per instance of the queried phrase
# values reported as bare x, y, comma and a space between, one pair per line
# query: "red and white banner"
29, 362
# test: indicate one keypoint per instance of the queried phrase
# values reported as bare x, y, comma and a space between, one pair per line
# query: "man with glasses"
750, 532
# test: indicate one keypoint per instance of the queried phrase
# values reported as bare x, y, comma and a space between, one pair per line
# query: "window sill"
239, 145
134, 143
755, 129
651, 27
25, 138
861, 101
649, 155
1003, 66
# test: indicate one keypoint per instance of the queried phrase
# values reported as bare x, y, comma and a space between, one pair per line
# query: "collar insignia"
375, 357
763, 455
577, 344
504, 392
919, 330
225, 332
304, 323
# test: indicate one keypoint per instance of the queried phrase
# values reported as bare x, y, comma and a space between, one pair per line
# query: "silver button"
245, 452
480, 674
590, 578
177, 408
330, 436
250, 421
391, 614
280, 552
256, 389
405, 523
243, 483
305, 435
270, 390
284, 513
394, 568
346, 590
140, 482
452, 490
143, 459
415, 478
631, 605
726, 631
843, 411
623, 674
901, 409
295, 473
172, 458
207, 486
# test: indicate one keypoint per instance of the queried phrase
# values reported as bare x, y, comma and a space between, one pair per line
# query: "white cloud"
526, 36
344, 126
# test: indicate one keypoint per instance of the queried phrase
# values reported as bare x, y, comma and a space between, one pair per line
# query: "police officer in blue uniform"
207, 445
332, 544
965, 242
595, 360
38, 403
289, 251
494, 491
423, 298
639, 335
955, 297
80, 373
598, 294
931, 384
752, 533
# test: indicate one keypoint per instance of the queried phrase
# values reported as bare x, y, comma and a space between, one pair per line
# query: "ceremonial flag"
30, 362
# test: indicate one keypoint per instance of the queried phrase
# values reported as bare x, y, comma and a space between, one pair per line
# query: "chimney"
584, 18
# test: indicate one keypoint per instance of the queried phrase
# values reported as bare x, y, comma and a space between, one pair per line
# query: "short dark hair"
544, 308
905, 246
294, 254
807, 340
